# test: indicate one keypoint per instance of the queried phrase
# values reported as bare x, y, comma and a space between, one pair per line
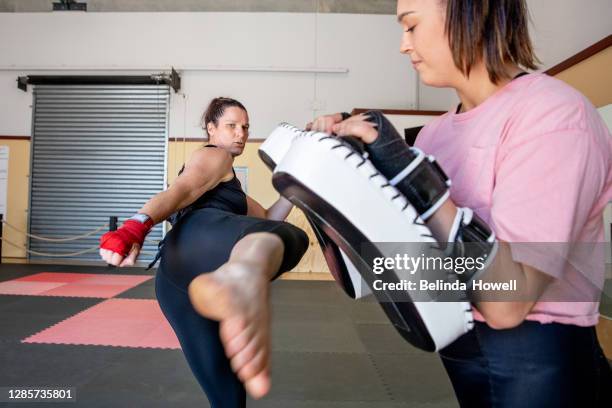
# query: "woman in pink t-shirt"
533, 159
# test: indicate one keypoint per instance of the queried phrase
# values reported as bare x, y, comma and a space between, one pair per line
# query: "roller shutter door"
97, 151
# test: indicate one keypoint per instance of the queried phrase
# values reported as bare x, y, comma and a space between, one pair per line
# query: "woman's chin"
432, 80
237, 150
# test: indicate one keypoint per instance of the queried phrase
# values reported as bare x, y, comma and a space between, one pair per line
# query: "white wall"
364, 44
367, 45
15, 112
606, 114
559, 29
562, 28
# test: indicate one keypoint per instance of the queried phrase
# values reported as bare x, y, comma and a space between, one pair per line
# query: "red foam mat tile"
53, 277
72, 284
107, 279
113, 322
161, 337
13, 287
88, 291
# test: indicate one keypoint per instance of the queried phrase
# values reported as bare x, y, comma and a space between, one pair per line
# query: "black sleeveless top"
227, 196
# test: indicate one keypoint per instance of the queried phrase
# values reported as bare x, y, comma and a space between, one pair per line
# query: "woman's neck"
209, 143
476, 88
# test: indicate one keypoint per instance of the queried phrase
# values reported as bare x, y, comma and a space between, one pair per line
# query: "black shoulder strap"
520, 74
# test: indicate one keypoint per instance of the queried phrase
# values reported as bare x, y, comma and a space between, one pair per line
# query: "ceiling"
302, 6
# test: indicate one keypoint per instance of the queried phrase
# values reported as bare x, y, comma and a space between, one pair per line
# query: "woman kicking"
216, 262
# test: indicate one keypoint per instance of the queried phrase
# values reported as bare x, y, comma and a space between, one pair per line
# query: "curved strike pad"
271, 152
274, 148
351, 204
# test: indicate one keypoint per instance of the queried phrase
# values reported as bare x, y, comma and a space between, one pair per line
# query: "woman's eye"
411, 29
232, 125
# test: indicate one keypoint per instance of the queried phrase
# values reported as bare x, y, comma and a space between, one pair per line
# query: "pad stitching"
469, 317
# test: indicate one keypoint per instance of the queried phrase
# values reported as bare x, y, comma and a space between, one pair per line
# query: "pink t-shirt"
534, 161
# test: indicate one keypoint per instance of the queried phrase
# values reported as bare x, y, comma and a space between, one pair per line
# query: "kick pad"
351, 204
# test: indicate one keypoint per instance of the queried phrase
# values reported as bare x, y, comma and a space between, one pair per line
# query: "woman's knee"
295, 240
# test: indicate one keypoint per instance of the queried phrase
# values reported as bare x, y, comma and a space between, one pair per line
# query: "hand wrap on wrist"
414, 174
471, 238
121, 241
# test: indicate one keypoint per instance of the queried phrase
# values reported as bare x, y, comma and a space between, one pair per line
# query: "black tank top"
226, 196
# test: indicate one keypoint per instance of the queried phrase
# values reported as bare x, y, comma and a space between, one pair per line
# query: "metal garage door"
97, 151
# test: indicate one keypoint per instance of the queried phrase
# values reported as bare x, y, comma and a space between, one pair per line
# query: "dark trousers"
532, 365
201, 243
201, 345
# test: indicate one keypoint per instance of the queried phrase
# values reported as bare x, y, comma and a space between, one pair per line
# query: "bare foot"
237, 295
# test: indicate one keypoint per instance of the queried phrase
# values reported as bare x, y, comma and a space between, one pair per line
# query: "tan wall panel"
604, 334
17, 195
259, 177
178, 154
592, 77
313, 260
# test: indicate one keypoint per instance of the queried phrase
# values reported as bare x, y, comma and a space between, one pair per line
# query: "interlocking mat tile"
113, 322
71, 284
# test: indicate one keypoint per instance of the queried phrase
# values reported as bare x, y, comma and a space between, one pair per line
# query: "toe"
245, 355
259, 385
235, 336
256, 365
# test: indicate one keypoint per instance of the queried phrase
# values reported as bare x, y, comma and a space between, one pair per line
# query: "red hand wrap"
121, 241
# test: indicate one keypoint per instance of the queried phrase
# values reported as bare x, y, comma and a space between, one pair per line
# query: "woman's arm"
530, 282
205, 169
278, 211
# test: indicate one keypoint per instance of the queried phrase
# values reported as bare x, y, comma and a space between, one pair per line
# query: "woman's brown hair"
495, 30
216, 109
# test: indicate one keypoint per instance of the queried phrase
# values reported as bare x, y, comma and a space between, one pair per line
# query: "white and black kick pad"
349, 203
271, 152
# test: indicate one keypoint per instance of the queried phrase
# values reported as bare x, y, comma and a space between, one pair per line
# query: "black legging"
201, 242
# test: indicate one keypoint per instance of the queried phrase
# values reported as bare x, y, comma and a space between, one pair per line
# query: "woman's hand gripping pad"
417, 176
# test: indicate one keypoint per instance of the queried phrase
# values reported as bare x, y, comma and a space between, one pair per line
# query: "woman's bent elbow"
503, 315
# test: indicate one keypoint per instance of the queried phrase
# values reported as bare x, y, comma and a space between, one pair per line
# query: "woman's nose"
405, 44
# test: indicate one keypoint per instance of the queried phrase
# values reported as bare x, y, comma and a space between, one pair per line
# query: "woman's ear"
210, 129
